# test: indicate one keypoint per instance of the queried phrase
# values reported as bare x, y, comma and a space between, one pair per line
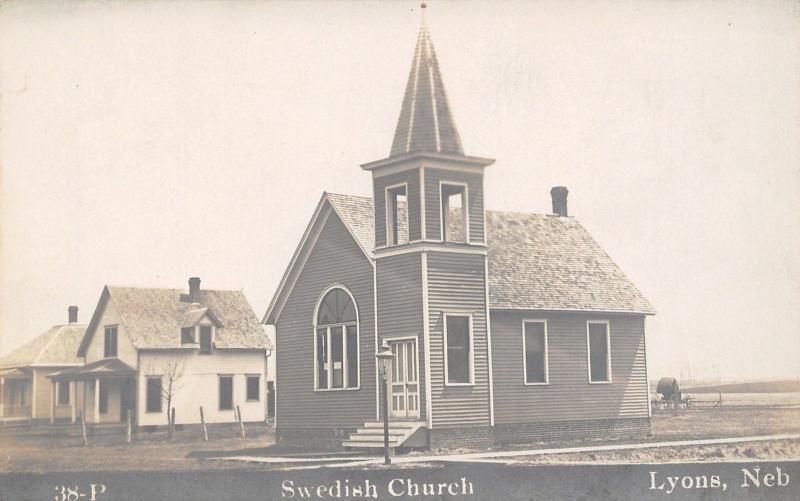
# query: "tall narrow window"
336, 342
63, 393
535, 339
599, 352
454, 213
253, 388
205, 338
226, 393
396, 215
153, 403
458, 343
110, 342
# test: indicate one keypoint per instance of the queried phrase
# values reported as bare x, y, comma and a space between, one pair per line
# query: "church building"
505, 327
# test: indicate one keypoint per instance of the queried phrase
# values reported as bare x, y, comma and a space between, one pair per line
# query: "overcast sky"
143, 143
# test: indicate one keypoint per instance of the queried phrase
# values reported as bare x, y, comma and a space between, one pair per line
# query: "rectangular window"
396, 215
459, 349
153, 394
454, 213
226, 393
62, 393
103, 397
599, 352
535, 347
253, 388
205, 338
110, 342
352, 356
337, 357
322, 358
187, 335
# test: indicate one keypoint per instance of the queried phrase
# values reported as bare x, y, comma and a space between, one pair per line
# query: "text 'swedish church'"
506, 327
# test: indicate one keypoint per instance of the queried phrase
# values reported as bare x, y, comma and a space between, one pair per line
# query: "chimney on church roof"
425, 124
559, 195
72, 314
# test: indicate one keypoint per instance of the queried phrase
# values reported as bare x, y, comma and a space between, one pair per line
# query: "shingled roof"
153, 317
57, 346
536, 261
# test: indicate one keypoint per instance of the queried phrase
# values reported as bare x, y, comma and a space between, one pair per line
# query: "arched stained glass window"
336, 341
336, 308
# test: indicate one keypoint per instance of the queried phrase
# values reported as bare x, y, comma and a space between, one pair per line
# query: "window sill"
459, 384
545, 383
599, 382
325, 390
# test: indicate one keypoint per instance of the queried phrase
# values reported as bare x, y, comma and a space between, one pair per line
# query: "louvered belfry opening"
426, 124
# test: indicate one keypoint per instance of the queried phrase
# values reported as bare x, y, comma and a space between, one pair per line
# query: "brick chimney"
72, 314
194, 289
559, 195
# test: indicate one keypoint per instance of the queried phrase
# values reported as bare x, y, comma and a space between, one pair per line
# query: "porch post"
2, 395
97, 400
53, 402
73, 398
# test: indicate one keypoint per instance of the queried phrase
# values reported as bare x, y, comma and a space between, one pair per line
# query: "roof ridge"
495, 211
139, 287
522, 213
348, 195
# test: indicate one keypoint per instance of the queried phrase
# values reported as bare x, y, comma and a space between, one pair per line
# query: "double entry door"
405, 379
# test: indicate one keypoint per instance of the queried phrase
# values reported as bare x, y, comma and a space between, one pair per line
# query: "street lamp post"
384, 357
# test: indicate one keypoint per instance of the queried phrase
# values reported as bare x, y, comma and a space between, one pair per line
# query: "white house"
25, 392
147, 350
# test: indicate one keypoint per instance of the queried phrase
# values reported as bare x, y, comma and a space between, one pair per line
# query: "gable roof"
56, 346
536, 261
153, 317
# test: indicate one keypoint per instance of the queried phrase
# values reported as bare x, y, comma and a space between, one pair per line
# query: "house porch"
16, 387
101, 392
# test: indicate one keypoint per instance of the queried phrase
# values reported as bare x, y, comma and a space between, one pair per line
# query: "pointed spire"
425, 124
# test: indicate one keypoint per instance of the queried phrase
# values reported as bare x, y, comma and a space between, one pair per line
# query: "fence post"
239, 417
83, 429
203, 422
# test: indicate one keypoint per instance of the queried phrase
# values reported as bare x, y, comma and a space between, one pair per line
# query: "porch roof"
107, 367
14, 374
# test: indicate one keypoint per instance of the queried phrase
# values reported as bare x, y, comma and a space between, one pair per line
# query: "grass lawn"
30, 452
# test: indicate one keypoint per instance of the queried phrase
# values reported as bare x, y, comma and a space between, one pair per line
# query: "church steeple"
426, 124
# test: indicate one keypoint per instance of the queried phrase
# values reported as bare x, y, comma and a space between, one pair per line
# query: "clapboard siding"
456, 284
400, 305
411, 177
568, 396
433, 204
335, 259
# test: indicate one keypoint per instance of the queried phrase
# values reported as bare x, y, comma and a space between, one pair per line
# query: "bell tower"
430, 256
427, 190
